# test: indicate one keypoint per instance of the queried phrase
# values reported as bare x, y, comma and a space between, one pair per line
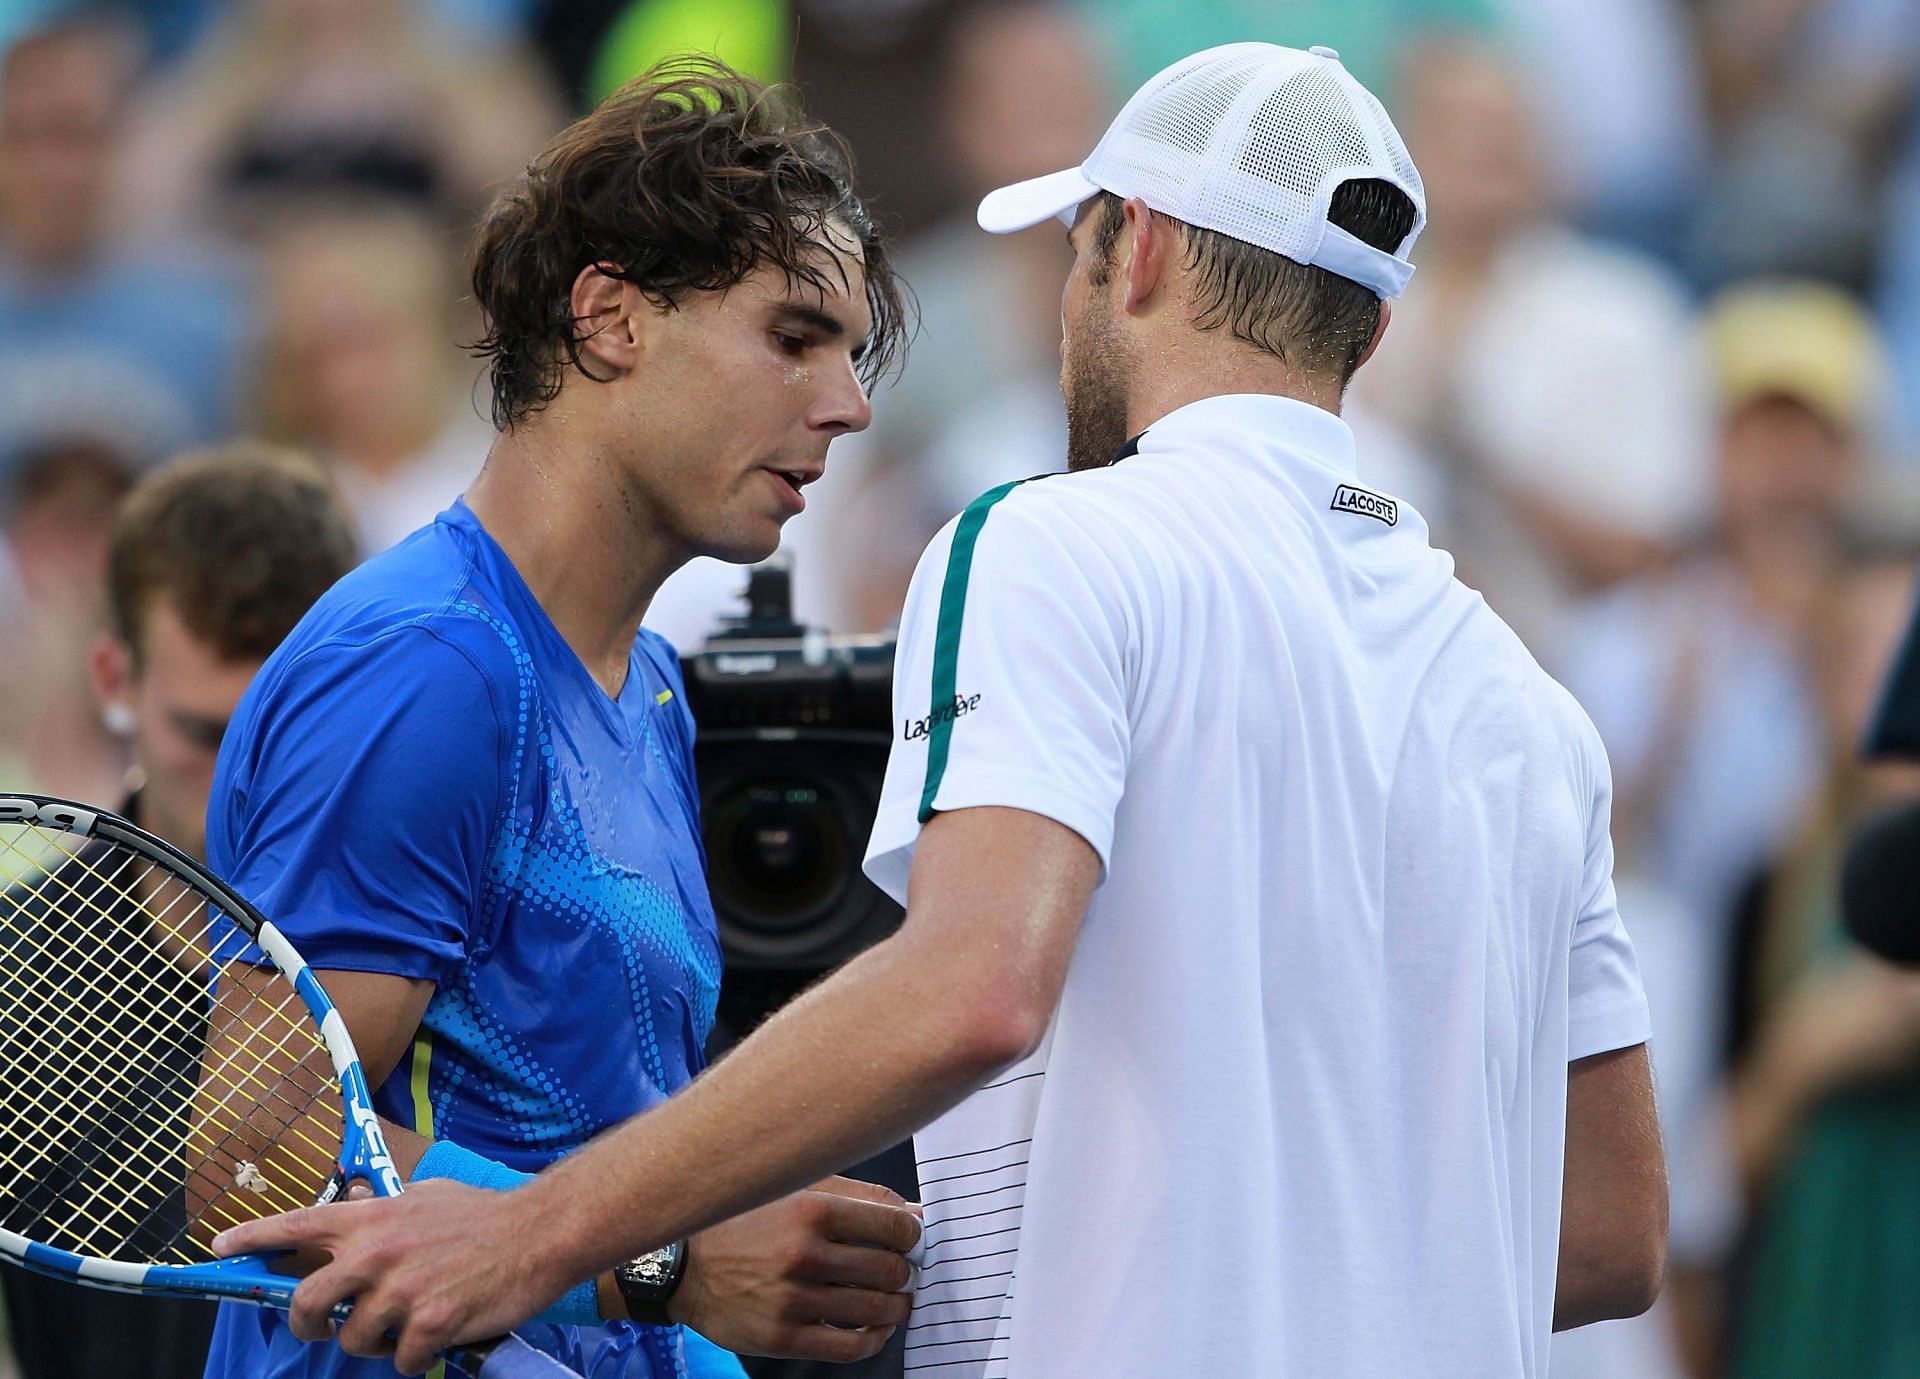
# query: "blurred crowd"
1656, 386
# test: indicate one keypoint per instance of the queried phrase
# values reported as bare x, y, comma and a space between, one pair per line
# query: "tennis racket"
169, 1067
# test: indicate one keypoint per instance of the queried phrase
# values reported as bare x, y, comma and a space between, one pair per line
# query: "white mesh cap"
1251, 140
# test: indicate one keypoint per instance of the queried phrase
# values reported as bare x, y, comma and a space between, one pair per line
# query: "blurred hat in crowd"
1250, 140
1798, 339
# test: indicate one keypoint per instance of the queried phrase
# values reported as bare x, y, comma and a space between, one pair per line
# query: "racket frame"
363, 1149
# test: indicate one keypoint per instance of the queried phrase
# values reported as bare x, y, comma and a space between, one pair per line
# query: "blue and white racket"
169, 1067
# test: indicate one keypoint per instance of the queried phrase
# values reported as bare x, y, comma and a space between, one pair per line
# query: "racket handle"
509, 1357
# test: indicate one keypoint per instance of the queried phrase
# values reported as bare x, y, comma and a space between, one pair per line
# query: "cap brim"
1028, 203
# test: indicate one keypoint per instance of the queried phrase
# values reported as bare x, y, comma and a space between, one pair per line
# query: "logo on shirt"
913, 729
1347, 498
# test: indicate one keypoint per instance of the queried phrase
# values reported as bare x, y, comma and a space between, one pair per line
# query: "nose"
844, 406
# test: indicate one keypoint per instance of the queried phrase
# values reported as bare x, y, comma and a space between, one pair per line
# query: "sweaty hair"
1315, 320
241, 540
687, 179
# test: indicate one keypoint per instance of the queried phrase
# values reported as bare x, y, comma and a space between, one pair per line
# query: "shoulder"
1051, 523
1589, 770
417, 608
376, 702
404, 639
1040, 559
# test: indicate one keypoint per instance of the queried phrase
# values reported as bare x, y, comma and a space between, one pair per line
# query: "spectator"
1701, 682
1700, 679
1826, 1099
213, 559
1556, 378
360, 365
1371, 35
980, 403
1808, 97
291, 98
1623, 108
130, 345
53, 565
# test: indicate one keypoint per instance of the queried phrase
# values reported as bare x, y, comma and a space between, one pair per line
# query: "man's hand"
440, 1265
814, 1276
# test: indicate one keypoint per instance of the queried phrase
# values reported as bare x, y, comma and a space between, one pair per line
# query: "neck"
1175, 377
590, 554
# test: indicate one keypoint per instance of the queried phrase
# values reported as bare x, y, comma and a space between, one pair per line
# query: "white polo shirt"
1301, 1111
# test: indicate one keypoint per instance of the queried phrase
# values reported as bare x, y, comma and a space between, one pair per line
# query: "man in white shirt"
1261, 977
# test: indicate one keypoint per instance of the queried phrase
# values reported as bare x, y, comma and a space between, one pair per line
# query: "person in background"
55, 522
1825, 1092
214, 557
110, 332
1023, 94
1702, 681
1700, 678
360, 365
1554, 381
285, 100
1144, 35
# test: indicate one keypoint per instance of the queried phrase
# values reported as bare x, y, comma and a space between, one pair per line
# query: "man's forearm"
853, 1066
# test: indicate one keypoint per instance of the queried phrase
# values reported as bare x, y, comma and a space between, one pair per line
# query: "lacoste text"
1347, 498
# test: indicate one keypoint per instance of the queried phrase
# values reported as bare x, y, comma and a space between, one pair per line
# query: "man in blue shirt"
464, 784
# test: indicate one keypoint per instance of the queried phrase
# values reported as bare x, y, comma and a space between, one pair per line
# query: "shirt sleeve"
1010, 684
359, 812
1606, 1004
705, 1360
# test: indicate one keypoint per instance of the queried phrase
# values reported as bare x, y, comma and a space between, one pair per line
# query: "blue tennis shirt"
425, 780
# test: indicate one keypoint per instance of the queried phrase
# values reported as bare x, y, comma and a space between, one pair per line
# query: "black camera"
794, 727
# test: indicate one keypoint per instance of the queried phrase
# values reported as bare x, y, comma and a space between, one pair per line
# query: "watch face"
651, 1270
655, 1272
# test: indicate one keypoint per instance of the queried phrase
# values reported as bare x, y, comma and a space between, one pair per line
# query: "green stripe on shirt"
419, 1072
946, 637
422, 1066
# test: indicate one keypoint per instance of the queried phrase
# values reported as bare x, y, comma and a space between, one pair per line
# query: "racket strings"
269, 1102
127, 893
293, 1027
200, 943
150, 1099
93, 976
70, 1108
155, 1146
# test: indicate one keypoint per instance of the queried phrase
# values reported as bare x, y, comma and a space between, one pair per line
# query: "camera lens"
777, 853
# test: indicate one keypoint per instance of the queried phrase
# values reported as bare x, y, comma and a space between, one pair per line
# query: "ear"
1148, 257
1379, 332
605, 319
111, 664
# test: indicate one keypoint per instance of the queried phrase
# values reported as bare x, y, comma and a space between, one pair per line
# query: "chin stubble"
1094, 382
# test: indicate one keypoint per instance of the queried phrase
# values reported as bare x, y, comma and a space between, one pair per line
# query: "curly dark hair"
242, 539
686, 179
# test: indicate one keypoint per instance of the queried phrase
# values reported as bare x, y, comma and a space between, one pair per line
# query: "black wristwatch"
646, 1283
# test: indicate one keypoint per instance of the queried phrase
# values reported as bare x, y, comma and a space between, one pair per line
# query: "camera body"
793, 732
794, 727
